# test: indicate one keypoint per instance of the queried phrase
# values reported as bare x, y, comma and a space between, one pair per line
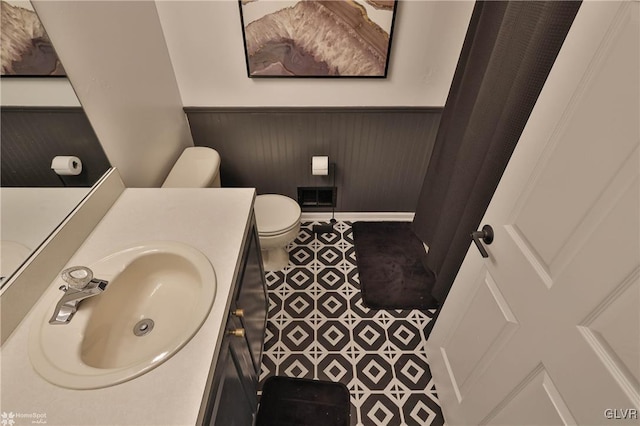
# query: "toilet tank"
197, 167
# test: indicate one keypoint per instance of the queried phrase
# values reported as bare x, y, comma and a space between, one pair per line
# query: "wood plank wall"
380, 154
30, 138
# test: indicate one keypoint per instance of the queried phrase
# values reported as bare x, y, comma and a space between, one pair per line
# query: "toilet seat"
276, 214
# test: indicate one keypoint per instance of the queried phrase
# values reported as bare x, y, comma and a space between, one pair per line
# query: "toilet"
277, 216
197, 167
278, 220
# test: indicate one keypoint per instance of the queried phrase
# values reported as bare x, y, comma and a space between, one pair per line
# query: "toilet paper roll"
320, 165
66, 165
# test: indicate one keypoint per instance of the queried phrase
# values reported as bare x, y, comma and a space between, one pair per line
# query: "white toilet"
278, 219
197, 167
277, 216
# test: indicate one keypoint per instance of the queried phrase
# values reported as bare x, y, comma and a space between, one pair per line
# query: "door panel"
232, 408
554, 248
545, 331
535, 402
242, 358
578, 173
606, 331
468, 361
252, 299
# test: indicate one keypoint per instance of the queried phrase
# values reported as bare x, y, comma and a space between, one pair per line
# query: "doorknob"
486, 235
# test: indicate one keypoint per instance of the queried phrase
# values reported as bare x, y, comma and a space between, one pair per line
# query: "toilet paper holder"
320, 166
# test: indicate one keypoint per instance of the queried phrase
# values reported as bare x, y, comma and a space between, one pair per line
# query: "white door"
546, 330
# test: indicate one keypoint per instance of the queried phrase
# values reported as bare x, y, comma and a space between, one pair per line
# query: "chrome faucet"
80, 285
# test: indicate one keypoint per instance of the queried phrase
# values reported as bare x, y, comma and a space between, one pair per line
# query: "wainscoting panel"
32, 136
380, 154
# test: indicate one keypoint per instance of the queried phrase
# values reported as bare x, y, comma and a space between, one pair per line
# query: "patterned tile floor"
318, 328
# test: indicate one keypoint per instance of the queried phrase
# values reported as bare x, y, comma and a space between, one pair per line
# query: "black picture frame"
332, 54
31, 52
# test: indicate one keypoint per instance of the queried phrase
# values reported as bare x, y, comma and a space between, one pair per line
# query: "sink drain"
143, 327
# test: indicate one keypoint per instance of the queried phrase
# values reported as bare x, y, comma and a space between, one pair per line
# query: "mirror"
41, 118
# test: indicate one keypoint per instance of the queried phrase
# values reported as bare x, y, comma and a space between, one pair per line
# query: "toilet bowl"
197, 167
278, 221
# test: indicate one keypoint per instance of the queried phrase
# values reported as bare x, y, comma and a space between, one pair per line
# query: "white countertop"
211, 220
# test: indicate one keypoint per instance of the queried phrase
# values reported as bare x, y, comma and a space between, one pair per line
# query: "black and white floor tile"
318, 328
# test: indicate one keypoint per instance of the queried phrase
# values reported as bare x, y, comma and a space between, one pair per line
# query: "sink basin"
158, 296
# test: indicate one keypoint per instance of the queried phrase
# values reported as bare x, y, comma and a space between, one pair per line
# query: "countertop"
213, 221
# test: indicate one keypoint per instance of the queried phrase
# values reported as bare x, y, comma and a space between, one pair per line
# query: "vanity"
210, 379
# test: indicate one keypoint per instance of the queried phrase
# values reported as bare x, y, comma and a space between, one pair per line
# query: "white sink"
158, 296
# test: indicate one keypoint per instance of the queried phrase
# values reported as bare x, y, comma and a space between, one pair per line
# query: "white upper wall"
39, 92
207, 52
205, 44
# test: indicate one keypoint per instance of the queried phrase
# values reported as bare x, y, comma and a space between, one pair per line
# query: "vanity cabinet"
233, 397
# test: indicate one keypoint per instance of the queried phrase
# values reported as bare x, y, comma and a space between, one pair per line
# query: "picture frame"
27, 50
317, 38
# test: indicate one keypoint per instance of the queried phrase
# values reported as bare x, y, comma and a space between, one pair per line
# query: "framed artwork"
317, 38
26, 48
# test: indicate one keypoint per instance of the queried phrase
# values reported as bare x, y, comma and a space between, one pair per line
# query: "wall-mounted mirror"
41, 118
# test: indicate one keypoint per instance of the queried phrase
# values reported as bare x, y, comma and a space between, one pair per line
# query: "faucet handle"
77, 277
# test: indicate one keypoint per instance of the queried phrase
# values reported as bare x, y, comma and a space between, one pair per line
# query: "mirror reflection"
26, 48
41, 120
29, 215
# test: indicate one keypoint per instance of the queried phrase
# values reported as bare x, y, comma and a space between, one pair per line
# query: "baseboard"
359, 216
